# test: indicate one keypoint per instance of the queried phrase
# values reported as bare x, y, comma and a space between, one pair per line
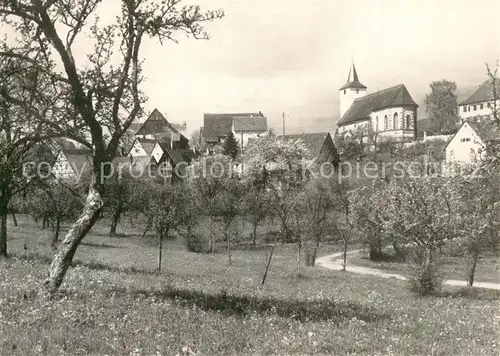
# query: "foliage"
99, 98
441, 104
55, 202
230, 146
424, 280
208, 178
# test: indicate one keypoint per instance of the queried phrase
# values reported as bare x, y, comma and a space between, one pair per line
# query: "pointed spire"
354, 81
355, 74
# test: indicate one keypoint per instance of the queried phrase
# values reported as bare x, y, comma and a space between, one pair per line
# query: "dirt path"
334, 262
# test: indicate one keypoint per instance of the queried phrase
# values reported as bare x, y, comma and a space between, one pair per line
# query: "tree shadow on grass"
101, 245
298, 309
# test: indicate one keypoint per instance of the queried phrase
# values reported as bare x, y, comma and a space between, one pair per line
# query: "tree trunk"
471, 267
114, 221
344, 266
146, 229
268, 263
14, 219
228, 244
3, 232
299, 254
315, 253
67, 248
160, 250
211, 235
254, 233
55, 236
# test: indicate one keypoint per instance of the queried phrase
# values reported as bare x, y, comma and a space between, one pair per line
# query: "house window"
465, 108
468, 108
481, 106
344, 91
489, 105
395, 121
357, 91
475, 107
386, 123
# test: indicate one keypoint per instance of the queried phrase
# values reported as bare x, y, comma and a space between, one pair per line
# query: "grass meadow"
113, 302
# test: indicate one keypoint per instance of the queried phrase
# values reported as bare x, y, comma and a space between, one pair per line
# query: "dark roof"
483, 93
354, 83
313, 141
156, 123
487, 130
219, 125
79, 159
362, 107
245, 123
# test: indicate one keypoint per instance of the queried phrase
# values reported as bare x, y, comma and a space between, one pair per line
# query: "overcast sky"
293, 56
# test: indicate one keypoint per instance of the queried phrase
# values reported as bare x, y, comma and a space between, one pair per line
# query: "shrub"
424, 279
195, 243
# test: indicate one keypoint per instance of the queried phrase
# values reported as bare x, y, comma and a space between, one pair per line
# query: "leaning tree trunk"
471, 267
268, 262
14, 219
67, 248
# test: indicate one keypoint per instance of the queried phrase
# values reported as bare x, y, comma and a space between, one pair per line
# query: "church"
389, 113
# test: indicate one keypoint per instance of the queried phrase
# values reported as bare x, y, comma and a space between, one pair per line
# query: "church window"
376, 124
475, 107
465, 108
344, 91
386, 123
395, 123
481, 106
408, 121
357, 91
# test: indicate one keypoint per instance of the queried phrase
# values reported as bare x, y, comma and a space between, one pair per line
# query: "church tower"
351, 90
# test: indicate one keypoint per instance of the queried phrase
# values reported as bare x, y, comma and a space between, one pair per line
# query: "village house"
388, 113
244, 126
470, 145
480, 104
72, 164
141, 147
319, 144
157, 128
172, 163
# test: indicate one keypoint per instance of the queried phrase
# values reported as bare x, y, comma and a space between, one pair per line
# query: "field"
113, 302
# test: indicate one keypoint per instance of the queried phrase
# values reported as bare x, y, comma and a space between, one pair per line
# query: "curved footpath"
334, 262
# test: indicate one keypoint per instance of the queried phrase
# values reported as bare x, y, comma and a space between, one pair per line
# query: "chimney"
260, 113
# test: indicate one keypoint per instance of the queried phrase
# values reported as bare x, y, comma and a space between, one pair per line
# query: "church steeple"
354, 82
351, 90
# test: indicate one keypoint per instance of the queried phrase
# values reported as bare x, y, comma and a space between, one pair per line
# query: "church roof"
362, 107
354, 83
483, 93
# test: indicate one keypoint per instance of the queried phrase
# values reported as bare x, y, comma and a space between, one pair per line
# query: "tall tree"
104, 98
27, 96
441, 105
231, 146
